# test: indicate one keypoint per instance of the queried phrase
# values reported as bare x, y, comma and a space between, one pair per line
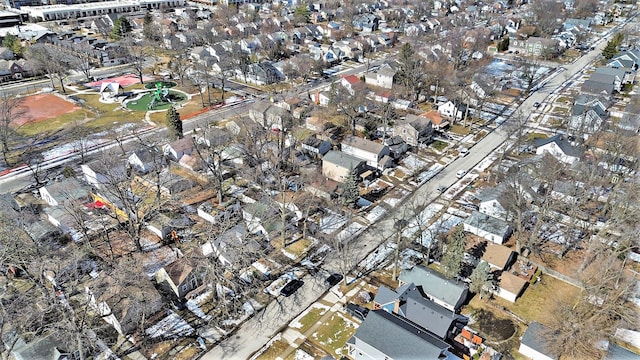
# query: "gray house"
385, 336
414, 130
532, 344
444, 292
588, 114
487, 227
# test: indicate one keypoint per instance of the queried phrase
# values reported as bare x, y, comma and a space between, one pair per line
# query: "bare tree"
545, 16
11, 108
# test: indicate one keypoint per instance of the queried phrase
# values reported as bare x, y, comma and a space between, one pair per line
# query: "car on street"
291, 287
463, 151
461, 173
442, 188
333, 279
356, 310
536, 104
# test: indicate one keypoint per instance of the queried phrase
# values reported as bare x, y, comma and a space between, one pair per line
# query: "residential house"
372, 152
588, 114
367, 23
144, 160
498, 256
396, 145
321, 97
165, 226
263, 73
316, 147
336, 165
535, 46
101, 175
241, 126
533, 344
263, 217
232, 247
382, 77
6, 54
383, 335
414, 130
68, 191
451, 110
487, 227
351, 83
510, 286
178, 148
258, 111
447, 293
580, 24
436, 119
277, 118
14, 69
181, 277
493, 203
49, 346
629, 59
408, 302
559, 147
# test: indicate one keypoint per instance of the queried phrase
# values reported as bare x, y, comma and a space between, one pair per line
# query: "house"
315, 146
336, 165
263, 217
68, 191
492, 202
258, 111
181, 277
436, 119
50, 347
447, 293
263, 73
588, 114
277, 118
559, 147
629, 59
321, 97
498, 256
396, 145
408, 302
414, 130
101, 175
451, 110
233, 246
510, 286
144, 160
382, 77
617, 352
487, 227
178, 148
366, 23
6, 54
241, 126
351, 83
535, 46
383, 335
532, 344
371, 152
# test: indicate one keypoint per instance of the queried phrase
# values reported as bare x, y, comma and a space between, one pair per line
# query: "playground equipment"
160, 96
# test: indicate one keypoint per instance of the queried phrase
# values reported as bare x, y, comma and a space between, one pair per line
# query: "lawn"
58, 123
299, 247
332, 336
274, 351
533, 136
460, 130
439, 145
479, 136
311, 318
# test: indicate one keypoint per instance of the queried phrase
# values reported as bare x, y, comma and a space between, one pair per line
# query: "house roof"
363, 144
512, 283
497, 255
385, 295
434, 116
617, 352
67, 189
435, 285
425, 312
598, 85
397, 338
562, 142
488, 223
341, 159
351, 79
534, 338
179, 270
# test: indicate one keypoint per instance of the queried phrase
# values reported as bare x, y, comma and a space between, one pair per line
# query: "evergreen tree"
454, 254
503, 45
302, 14
121, 27
481, 278
610, 50
12, 43
150, 30
174, 124
350, 191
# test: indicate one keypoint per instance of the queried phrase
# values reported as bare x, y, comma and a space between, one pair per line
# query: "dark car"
357, 311
291, 287
333, 279
442, 188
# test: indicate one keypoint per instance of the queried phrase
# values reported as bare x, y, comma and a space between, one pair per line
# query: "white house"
510, 286
367, 150
383, 77
559, 147
451, 110
532, 344
487, 227
59, 192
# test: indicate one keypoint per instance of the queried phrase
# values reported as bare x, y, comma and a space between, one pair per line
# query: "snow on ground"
413, 163
421, 220
194, 304
378, 257
445, 223
396, 196
331, 222
170, 326
429, 173
375, 214
66, 149
460, 186
277, 285
457, 212
296, 322
301, 355
350, 231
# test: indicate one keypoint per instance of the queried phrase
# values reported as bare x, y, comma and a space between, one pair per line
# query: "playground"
41, 107
124, 81
159, 99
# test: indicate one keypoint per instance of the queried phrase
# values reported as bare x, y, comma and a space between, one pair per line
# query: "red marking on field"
42, 107
124, 80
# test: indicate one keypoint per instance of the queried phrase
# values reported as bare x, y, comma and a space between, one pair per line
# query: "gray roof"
363, 144
617, 352
609, 71
491, 193
407, 343
385, 295
488, 223
435, 285
583, 103
562, 142
426, 313
598, 85
67, 189
341, 159
533, 338
44, 347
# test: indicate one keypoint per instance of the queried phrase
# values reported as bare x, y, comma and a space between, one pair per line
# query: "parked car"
461, 173
536, 104
291, 287
333, 279
442, 188
463, 151
357, 311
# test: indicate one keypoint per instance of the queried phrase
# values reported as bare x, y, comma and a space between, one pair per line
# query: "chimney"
396, 306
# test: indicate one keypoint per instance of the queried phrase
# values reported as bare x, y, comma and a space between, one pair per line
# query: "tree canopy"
121, 27
454, 254
174, 124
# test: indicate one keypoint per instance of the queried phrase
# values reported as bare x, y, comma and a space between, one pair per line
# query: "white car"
461, 173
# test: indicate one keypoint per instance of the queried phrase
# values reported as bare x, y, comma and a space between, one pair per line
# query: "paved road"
254, 333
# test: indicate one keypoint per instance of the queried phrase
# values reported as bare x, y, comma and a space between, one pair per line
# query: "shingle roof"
425, 312
488, 223
385, 295
496, 254
562, 142
341, 159
363, 144
533, 338
397, 338
435, 285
